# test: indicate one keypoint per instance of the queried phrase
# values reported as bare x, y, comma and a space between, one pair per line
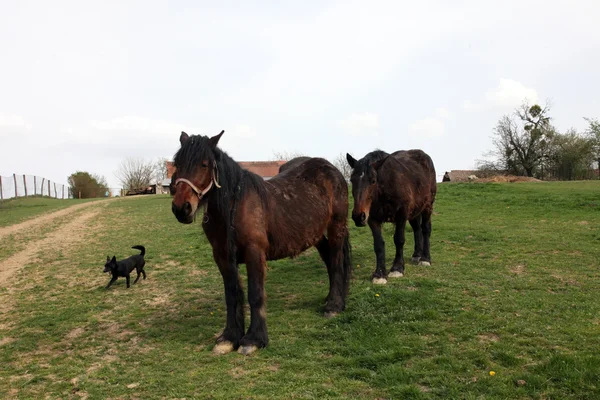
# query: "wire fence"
31, 185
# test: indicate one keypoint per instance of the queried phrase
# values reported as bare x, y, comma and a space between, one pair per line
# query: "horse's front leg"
257, 336
229, 340
379, 276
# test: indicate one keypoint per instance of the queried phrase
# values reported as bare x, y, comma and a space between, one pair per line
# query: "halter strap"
201, 193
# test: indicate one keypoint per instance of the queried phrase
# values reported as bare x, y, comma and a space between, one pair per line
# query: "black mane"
364, 164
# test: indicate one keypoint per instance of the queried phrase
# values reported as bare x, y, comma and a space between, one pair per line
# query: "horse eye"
373, 181
204, 164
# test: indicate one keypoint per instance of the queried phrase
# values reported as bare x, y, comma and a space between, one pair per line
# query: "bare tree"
341, 163
160, 170
135, 173
522, 140
286, 155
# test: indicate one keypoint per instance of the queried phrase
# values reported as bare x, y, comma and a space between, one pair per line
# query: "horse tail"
347, 267
142, 248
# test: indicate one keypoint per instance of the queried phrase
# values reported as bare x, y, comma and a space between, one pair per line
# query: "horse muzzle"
184, 213
360, 219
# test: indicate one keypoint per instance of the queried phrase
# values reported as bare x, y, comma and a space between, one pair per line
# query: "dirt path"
64, 237
45, 218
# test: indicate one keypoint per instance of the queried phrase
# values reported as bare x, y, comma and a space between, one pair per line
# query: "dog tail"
142, 248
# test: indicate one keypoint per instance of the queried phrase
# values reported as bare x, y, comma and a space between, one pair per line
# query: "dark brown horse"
294, 162
394, 188
250, 221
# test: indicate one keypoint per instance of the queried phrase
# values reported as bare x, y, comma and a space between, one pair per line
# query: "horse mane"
364, 164
235, 181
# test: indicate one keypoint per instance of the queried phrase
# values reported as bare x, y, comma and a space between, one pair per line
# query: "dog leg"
138, 277
127, 277
112, 280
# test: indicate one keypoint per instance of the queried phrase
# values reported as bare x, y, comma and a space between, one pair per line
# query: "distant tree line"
86, 186
527, 144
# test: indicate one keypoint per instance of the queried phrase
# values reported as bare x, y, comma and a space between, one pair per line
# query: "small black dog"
126, 266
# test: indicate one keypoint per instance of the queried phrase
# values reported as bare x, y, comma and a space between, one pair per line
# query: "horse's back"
294, 162
303, 202
408, 178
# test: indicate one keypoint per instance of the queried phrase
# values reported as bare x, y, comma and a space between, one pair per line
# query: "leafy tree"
594, 136
85, 185
570, 156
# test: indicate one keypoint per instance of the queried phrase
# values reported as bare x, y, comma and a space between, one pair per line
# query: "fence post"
63, 192
49, 189
25, 185
55, 192
42, 191
34, 185
1, 194
15, 178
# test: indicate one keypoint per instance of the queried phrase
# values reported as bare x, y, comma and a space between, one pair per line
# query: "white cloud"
139, 124
442, 112
360, 124
14, 122
429, 127
510, 93
242, 131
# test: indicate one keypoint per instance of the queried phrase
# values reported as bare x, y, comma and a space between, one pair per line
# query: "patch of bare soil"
43, 219
508, 178
64, 238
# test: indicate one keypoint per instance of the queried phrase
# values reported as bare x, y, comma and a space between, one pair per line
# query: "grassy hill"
508, 309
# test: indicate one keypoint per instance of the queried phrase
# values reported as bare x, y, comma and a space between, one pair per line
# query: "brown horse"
394, 188
294, 162
250, 221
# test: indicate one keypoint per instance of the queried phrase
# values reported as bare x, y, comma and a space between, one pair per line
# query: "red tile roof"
265, 169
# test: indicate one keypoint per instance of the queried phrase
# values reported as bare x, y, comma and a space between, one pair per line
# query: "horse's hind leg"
336, 236
234, 298
257, 336
397, 270
415, 223
323, 248
426, 227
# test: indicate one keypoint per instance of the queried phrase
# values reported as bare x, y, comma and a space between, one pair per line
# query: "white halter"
201, 193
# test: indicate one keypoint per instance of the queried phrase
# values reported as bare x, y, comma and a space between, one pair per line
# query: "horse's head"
196, 174
364, 187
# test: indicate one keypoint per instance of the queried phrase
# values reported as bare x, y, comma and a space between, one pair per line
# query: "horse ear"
351, 160
213, 141
183, 138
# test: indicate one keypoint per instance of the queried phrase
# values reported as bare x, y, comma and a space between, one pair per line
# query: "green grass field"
19, 209
513, 289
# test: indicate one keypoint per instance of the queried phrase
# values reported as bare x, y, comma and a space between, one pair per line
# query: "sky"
84, 85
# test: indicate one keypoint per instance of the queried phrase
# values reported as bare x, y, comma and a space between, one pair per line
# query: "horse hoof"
395, 274
424, 263
415, 260
330, 314
379, 281
247, 350
223, 348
